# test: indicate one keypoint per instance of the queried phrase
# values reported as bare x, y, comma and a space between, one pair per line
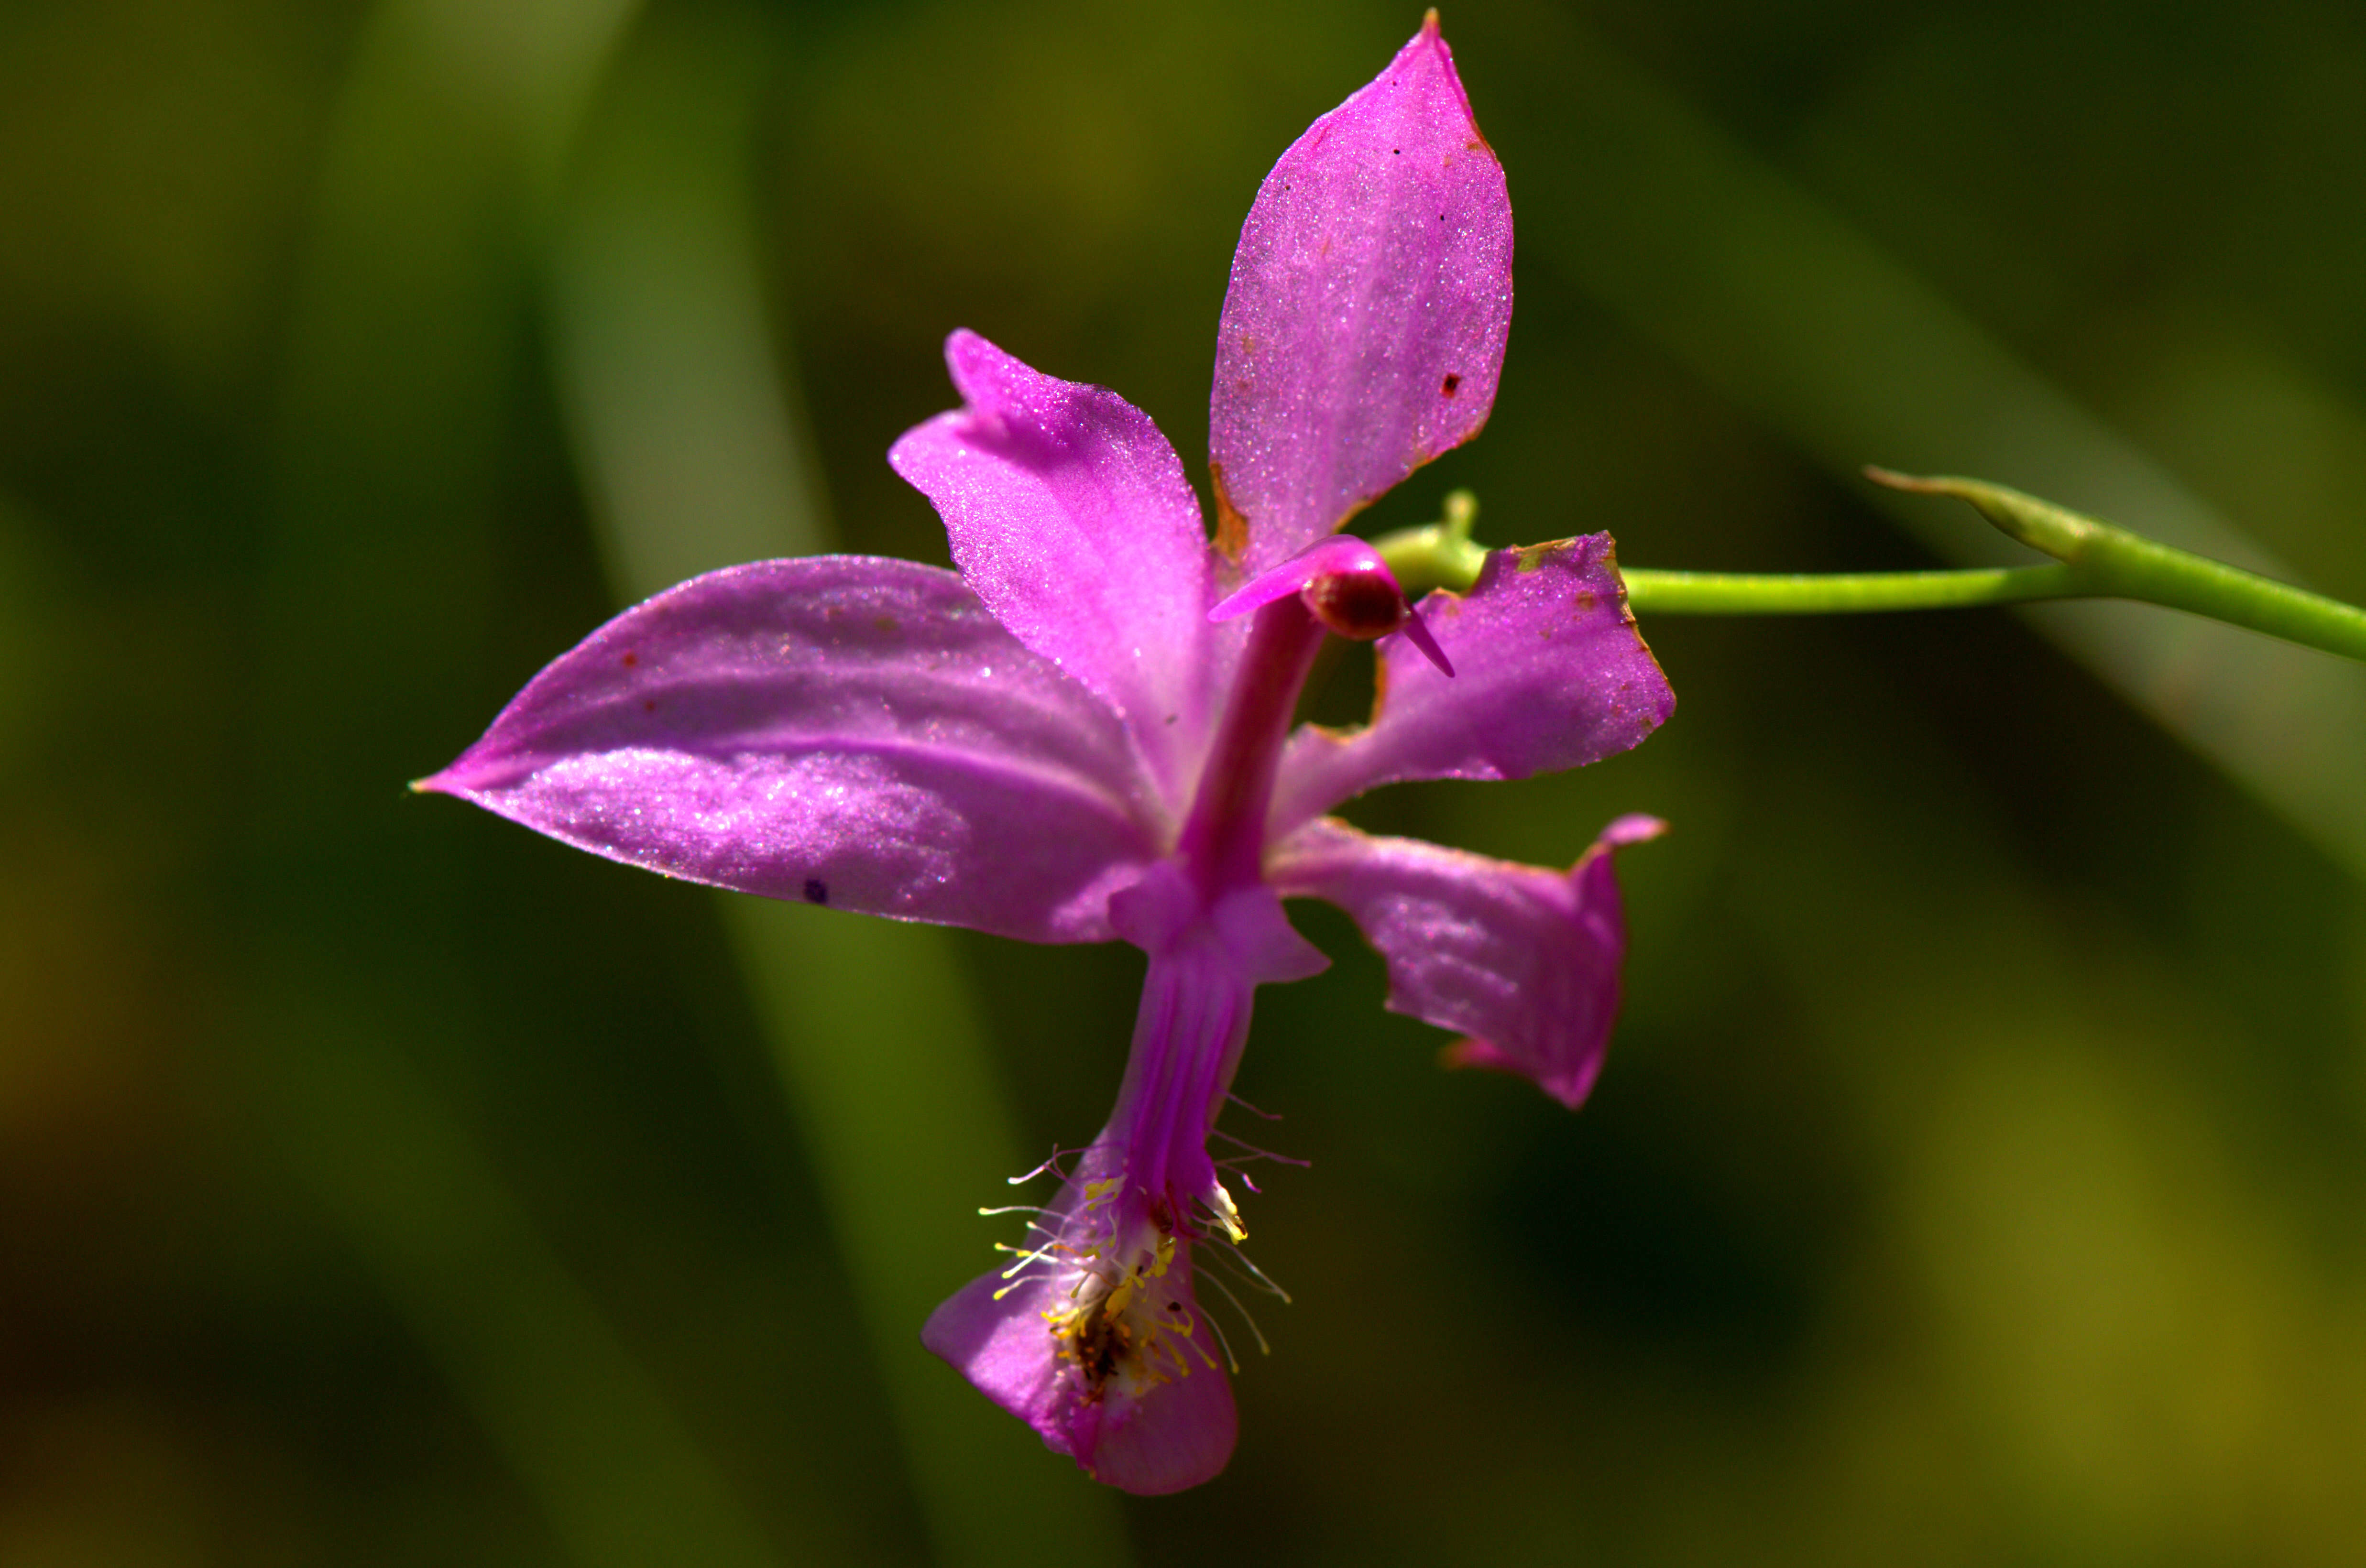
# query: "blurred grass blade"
684, 438
1775, 299
28, 607
404, 347
899, 1104
658, 321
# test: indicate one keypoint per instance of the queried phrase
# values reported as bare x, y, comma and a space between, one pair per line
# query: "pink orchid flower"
1085, 733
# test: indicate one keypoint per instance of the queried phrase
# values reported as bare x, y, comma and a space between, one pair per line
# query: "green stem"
2094, 560
1841, 593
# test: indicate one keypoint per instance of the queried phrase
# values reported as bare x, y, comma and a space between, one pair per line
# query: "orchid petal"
1237, 942
995, 1337
839, 730
1173, 1436
1177, 1435
1523, 961
1139, 1401
1069, 516
1363, 333
1552, 675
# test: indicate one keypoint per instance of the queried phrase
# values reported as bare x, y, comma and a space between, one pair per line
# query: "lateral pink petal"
837, 729
1523, 961
1069, 516
1363, 332
1550, 672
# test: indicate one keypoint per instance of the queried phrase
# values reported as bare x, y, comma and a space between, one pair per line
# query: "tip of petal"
466, 777
1483, 1055
1636, 827
1431, 40
444, 782
1570, 1088
972, 363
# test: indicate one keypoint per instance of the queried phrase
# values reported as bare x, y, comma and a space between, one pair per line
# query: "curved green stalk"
2093, 560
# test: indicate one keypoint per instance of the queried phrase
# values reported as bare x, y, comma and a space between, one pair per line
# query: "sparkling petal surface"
1069, 516
1363, 332
839, 730
1523, 961
1550, 672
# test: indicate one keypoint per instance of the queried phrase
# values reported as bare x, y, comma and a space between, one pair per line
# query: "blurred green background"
1976, 1173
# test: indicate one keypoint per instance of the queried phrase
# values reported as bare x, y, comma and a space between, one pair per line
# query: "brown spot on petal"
631, 658
1626, 610
1586, 598
1232, 526
1478, 142
886, 624
1450, 386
